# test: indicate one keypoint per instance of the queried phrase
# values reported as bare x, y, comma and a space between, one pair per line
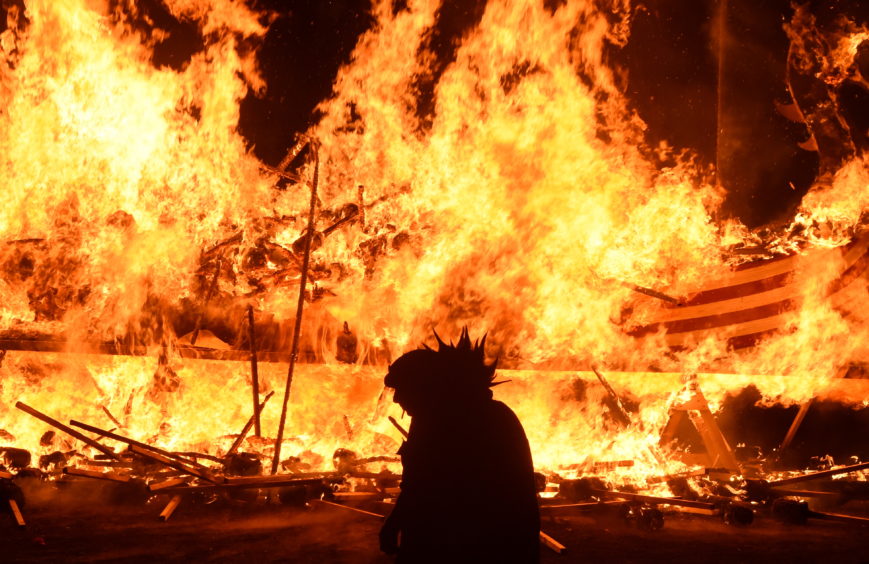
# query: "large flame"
520, 199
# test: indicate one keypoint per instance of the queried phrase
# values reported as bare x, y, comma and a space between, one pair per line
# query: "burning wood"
258, 482
157, 486
177, 464
108, 476
398, 426
133, 443
170, 508
551, 543
819, 475
655, 499
16, 512
254, 373
72, 432
250, 423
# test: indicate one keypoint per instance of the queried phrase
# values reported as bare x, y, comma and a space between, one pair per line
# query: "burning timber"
364, 486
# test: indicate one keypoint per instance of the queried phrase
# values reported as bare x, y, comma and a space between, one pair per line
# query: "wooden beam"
132, 442
250, 423
297, 327
170, 508
654, 499
263, 484
254, 372
177, 464
551, 543
348, 508
72, 432
819, 475
108, 476
16, 512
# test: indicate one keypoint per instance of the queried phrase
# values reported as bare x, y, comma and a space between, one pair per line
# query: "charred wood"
69, 431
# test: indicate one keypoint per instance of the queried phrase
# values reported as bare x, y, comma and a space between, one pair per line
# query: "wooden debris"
347, 496
133, 442
348, 508
654, 499
841, 518
669, 477
795, 425
551, 543
110, 416
177, 464
5, 475
72, 432
819, 475
157, 486
108, 476
254, 372
248, 425
255, 483
170, 508
115, 348
16, 512
696, 411
297, 328
652, 293
108, 463
613, 401
397, 426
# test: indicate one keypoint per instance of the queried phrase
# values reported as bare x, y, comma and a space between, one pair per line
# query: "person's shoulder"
502, 410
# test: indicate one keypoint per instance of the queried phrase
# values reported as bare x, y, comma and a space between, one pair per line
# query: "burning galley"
201, 291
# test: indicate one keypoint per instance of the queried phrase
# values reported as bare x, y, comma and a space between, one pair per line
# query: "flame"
518, 196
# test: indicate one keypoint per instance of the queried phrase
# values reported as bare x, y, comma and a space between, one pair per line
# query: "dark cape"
468, 490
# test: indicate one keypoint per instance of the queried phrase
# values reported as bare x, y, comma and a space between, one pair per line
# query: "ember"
170, 259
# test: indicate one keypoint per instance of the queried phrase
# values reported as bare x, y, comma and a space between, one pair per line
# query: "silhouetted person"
467, 491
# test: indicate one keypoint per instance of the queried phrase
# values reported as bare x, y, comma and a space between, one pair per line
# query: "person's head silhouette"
428, 380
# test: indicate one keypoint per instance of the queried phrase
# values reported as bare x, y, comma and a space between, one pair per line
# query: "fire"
522, 199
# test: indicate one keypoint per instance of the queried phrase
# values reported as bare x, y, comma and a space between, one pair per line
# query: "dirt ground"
76, 528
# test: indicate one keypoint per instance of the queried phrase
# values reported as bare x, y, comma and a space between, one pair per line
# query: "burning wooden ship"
158, 275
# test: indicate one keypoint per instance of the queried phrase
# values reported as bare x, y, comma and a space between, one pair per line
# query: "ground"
71, 527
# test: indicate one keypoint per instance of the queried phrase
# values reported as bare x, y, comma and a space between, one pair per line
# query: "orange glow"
526, 207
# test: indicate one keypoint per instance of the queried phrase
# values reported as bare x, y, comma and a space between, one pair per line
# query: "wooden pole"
254, 373
16, 512
132, 442
795, 425
72, 432
170, 508
614, 403
237, 442
299, 308
551, 543
398, 426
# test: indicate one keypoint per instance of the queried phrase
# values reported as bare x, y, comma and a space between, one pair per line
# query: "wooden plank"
157, 486
397, 426
133, 442
69, 431
246, 485
16, 512
348, 508
184, 351
96, 475
820, 475
178, 465
551, 543
654, 499
170, 508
